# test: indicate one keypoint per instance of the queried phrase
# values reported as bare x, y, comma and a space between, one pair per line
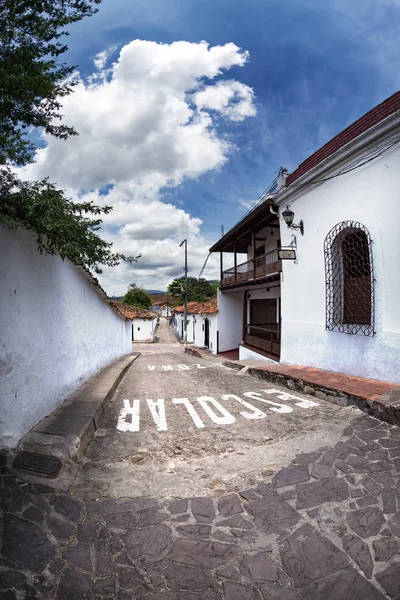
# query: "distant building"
144, 322
329, 298
202, 324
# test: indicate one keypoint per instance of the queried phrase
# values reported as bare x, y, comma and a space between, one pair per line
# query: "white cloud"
147, 122
247, 203
232, 99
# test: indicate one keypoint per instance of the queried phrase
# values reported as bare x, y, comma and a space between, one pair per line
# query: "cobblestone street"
254, 494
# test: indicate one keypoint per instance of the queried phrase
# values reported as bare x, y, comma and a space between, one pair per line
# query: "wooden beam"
253, 241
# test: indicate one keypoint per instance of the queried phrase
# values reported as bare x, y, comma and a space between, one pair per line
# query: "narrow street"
204, 484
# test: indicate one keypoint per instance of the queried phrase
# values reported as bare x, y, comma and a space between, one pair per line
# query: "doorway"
207, 333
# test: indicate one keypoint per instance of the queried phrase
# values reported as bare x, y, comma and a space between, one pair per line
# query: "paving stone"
236, 521
323, 490
249, 495
389, 502
369, 435
273, 513
103, 561
379, 454
290, 475
329, 458
320, 471
229, 506
272, 592
357, 493
394, 524
307, 556
129, 577
69, 507
306, 458
343, 466
389, 443
104, 587
25, 543
152, 541
79, 555
9, 579
185, 577
359, 552
151, 518
195, 530
385, 548
221, 536
73, 585
344, 584
347, 449
263, 489
87, 532
384, 479
9, 595
372, 486
351, 479
390, 580
259, 567
235, 591
367, 501
13, 500
206, 554
203, 510
115, 542
178, 507
366, 521
34, 514
377, 467
356, 461
289, 494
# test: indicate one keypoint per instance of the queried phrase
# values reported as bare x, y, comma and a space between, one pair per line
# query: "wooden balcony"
266, 338
264, 265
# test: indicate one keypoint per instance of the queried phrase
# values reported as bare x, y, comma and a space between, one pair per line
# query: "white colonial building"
144, 322
320, 282
202, 324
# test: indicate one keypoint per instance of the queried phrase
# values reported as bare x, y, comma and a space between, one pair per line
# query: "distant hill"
155, 292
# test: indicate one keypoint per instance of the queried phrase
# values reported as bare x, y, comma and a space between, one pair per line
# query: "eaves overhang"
239, 237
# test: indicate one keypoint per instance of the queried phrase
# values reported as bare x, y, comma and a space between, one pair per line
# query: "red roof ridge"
361, 125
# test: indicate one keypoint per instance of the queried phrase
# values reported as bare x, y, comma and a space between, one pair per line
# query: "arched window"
349, 277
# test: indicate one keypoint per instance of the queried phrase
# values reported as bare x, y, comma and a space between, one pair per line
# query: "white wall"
369, 195
230, 320
247, 354
143, 329
166, 311
56, 330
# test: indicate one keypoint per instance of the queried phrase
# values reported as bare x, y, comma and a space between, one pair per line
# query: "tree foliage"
33, 82
199, 290
137, 296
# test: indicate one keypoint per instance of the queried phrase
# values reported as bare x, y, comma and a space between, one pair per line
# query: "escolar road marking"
129, 416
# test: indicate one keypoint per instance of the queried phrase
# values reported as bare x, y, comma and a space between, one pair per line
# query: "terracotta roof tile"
209, 307
371, 118
133, 312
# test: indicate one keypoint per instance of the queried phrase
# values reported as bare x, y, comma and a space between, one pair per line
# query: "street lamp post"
185, 296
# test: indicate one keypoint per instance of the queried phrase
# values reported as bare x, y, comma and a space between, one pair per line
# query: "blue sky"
314, 68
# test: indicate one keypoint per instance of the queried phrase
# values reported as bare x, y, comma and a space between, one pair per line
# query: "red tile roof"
371, 118
207, 308
133, 312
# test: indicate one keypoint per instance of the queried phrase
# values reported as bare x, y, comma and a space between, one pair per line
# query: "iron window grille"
349, 278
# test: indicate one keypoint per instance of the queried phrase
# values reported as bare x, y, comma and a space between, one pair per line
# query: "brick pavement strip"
301, 535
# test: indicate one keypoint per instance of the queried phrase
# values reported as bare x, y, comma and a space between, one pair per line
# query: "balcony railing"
265, 337
265, 264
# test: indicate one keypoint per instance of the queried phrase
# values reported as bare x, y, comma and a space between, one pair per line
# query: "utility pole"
185, 296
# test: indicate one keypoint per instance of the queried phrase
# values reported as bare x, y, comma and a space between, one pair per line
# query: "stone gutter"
67, 431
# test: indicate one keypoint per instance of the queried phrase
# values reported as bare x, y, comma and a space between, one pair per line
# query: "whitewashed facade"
202, 325
328, 315
57, 328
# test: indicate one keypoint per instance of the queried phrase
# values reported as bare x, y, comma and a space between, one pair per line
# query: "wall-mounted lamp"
288, 216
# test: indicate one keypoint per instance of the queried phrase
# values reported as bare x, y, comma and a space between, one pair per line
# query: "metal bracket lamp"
288, 216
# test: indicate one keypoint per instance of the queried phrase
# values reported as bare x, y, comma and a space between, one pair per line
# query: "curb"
385, 408
67, 431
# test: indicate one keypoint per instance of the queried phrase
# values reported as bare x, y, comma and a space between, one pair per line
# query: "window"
349, 279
